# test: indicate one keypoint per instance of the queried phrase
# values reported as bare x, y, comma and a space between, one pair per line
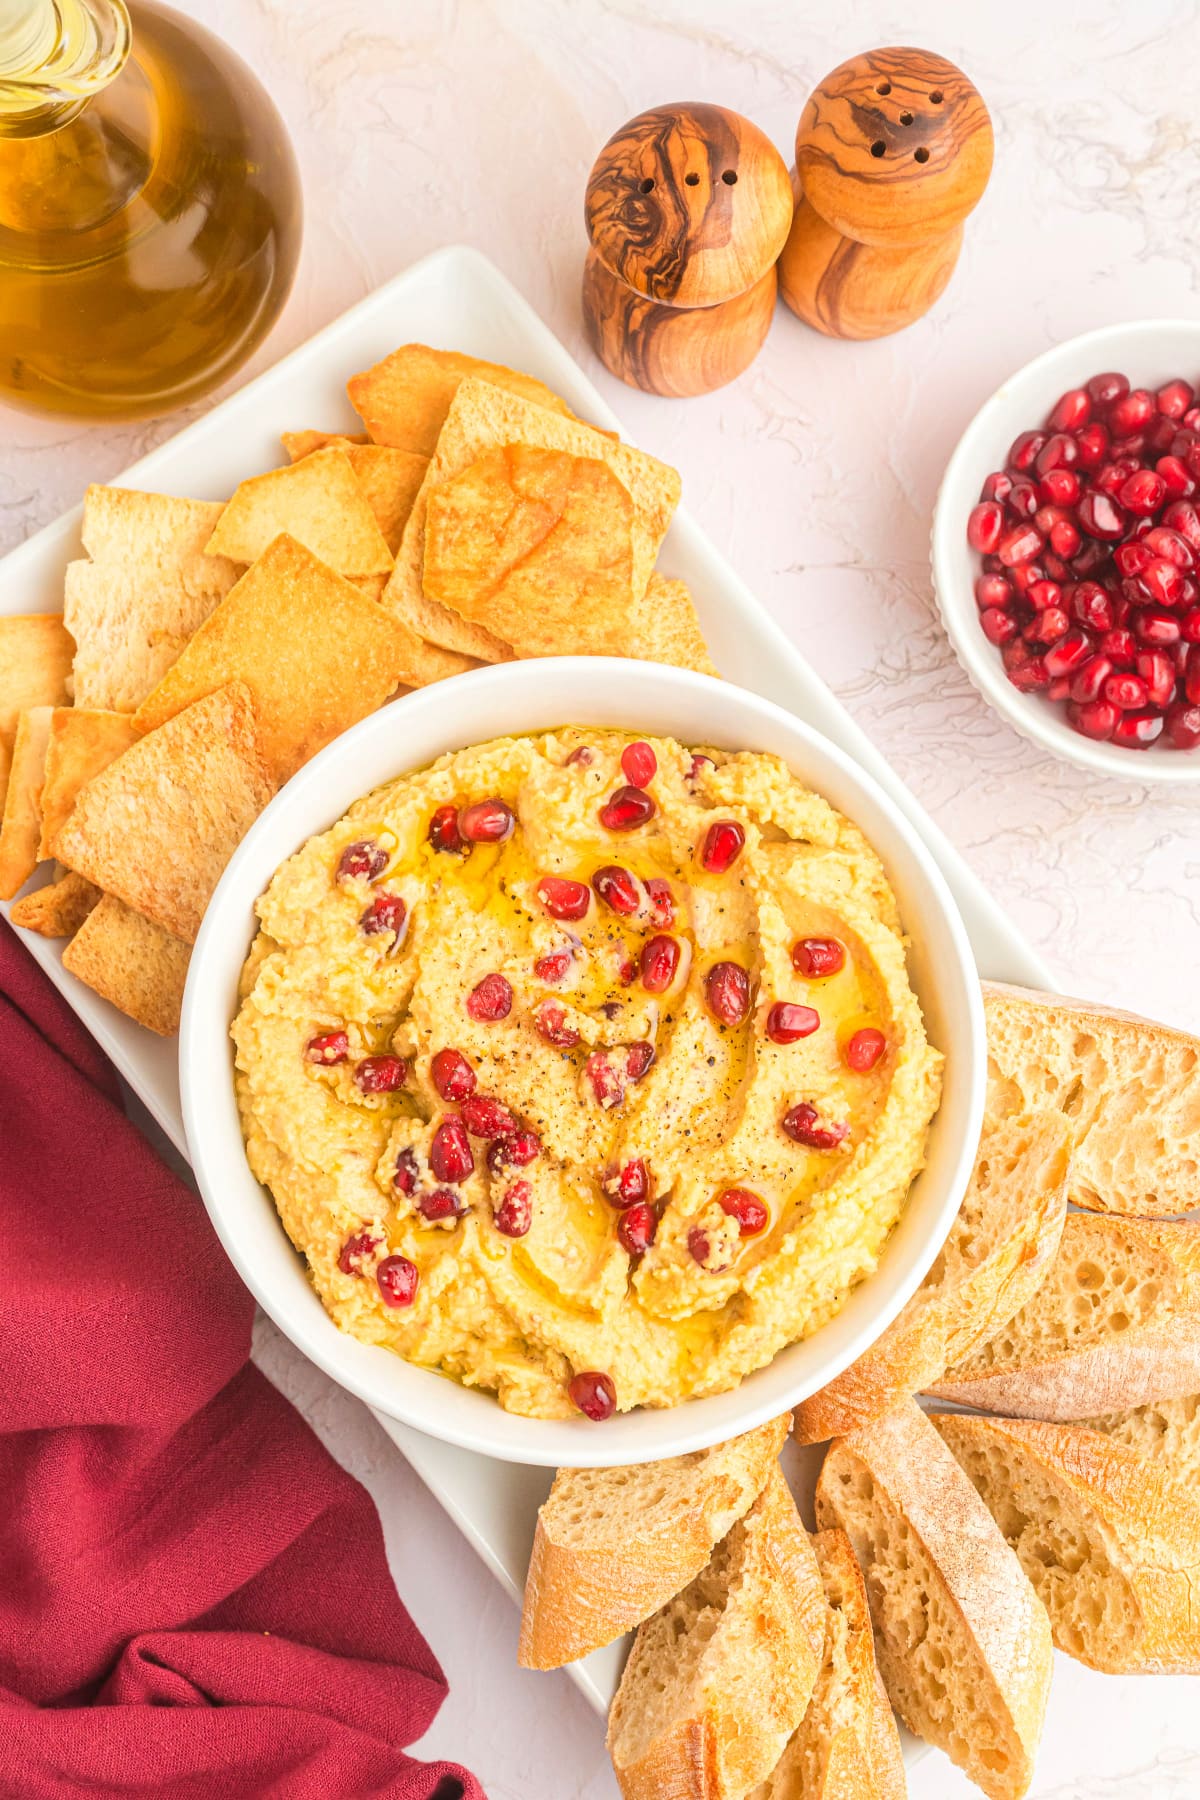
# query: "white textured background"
418, 124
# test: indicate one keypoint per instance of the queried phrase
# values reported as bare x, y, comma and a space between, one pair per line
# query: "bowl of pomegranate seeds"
601, 1067
1066, 550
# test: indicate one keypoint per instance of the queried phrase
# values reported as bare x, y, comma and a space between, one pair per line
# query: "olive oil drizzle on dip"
654, 1163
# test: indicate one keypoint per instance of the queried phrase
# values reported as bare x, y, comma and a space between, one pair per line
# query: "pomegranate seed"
723, 843
618, 889
1095, 719
564, 899
1069, 653
1092, 445
698, 1245
992, 590
1143, 493
786, 1023
514, 1215
639, 764
1108, 387
1088, 681
487, 1118
583, 755
362, 861
439, 1203
1182, 516
1065, 538
1156, 627
386, 913
1160, 540
1175, 477
1183, 725
638, 1058
381, 1074
1047, 627
864, 1049
1100, 516
1090, 558
1059, 487
1044, 594
1030, 676
1019, 544
1120, 647
1162, 581
749, 1211
1191, 678
515, 1152
553, 967
1025, 575
1058, 452
996, 486
1023, 499
594, 1394
1092, 606
984, 526
406, 1173
629, 1185
697, 767
1174, 398
443, 830
1126, 692
550, 1022
662, 901
636, 1229
397, 1280
1137, 730
1132, 412
998, 627
817, 957
1024, 450
803, 1124
450, 1155
626, 971
1073, 410
355, 1251
490, 999
660, 963
1189, 626
1060, 688
327, 1048
453, 1076
606, 1083
727, 992
1132, 556
628, 808
486, 822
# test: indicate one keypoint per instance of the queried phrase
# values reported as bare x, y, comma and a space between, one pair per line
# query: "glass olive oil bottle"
149, 208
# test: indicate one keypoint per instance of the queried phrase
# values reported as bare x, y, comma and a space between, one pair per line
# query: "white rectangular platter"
457, 299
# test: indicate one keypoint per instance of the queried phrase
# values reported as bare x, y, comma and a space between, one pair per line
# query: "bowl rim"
1029, 714
531, 689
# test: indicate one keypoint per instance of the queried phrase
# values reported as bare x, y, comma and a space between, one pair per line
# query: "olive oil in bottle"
150, 208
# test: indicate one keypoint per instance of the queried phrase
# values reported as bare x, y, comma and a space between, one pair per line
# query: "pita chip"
403, 400
82, 741
131, 962
20, 825
317, 501
303, 443
35, 668
666, 630
58, 908
136, 531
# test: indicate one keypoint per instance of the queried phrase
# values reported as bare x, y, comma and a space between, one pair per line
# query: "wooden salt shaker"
687, 209
893, 150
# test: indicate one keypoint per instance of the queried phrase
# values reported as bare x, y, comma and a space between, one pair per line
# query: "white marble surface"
421, 122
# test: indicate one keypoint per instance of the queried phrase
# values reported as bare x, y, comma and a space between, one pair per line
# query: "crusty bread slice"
1116, 1323
1131, 1089
997, 1254
1167, 1431
962, 1640
719, 1678
1110, 1540
613, 1545
846, 1747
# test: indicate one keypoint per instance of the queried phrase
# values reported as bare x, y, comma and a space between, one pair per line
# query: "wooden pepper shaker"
687, 209
893, 150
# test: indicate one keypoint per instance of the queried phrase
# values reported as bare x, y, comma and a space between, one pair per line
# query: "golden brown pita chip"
535, 546
157, 826
403, 400
318, 502
132, 962
315, 653
480, 419
35, 667
20, 826
390, 481
137, 532
666, 629
82, 742
58, 909
303, 443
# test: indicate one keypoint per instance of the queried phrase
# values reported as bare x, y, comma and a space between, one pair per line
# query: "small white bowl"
1150, 352
510, 699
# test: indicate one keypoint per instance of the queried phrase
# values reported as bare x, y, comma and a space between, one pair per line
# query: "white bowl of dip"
644, 699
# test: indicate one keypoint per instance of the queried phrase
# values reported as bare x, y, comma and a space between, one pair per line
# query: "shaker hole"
906, 118
648, 185
936, 96
692, 180
730, 177
878, 147
885, 87
921, 155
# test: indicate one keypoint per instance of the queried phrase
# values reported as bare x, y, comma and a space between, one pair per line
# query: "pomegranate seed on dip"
604, 1084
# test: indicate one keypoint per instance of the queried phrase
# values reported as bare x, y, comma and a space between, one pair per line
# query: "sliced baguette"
1110, 1540
719, 1678
1115, 1324
962, 1640
1131, 1089
846, 1747
997, 1254
613, 1545
1167, 1431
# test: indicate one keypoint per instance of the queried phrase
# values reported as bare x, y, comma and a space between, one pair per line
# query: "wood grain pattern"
894, 147
851, 290
689, 204
674, 350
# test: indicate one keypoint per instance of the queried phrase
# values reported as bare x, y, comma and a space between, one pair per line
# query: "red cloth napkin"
194, 1597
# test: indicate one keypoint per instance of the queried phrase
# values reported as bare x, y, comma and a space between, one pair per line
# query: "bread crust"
1145, 1519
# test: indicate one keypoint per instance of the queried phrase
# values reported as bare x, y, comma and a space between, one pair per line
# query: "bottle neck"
54, 55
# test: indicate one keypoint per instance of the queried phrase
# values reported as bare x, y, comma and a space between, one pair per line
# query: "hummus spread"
592, 1083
